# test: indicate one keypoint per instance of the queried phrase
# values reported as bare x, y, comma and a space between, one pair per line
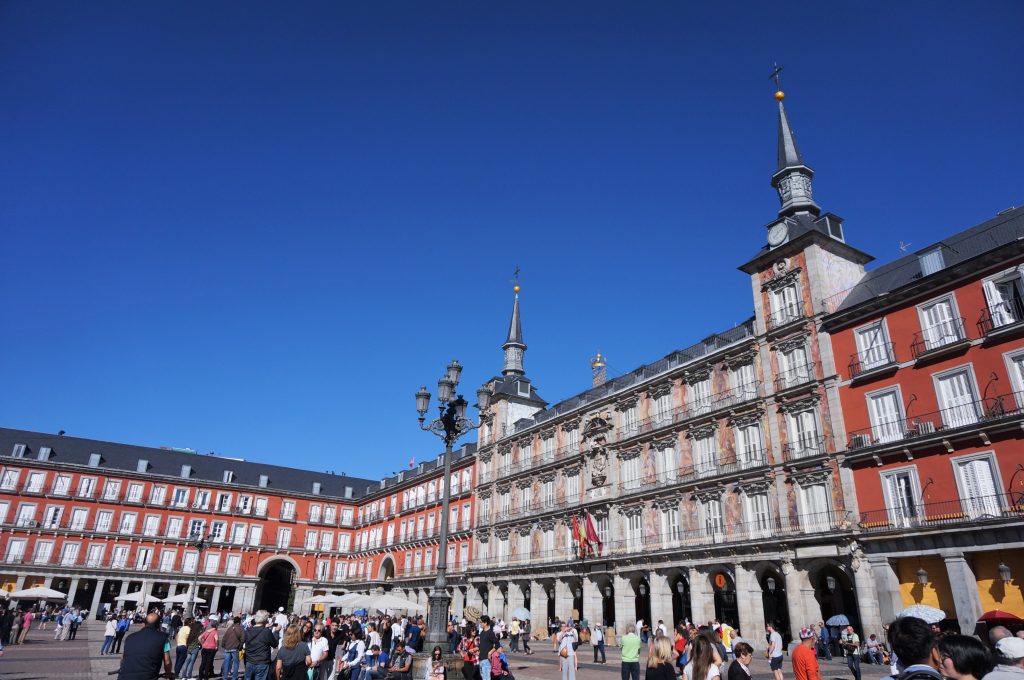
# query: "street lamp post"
201, 543
450, 424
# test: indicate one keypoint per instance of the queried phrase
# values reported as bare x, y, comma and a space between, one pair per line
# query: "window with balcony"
465, 516
976, 481
505, 503
667, 463
573, 436
212, 563
886, 415
757, 514
421, 495
151, 525
218, 531
238, 533
705, 455
86, 487
26, 515
52, 516
417, 561
180, 498
525, 498
1003, 299
804, 440
189, 562
630, 422
957, 397
453, 484
327, 540
750, 445
104, 520
9, 480
331, 514
485, 509
815, 511
786, 306
314, 513
61, 485
79, 516
202, 500
260, 507
671, 532
467, 478
4, 508
167, 558
223, 502
630, 472
700, 396
233, 565
174, 527
144, 559
157, 495
794, 369
119, 557
662, 409
311, 539
255, 534
284, 537
901, 491
69, 554
111, 490
547, 449
287, 510
430, 524
711, 516
15, 550
43, 552
502, 547
134, 493
873, 349
634, 531
940, 326
196, 528
35, 482
94, 556
572, 486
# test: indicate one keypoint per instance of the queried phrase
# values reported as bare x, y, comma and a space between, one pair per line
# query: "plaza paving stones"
43, 657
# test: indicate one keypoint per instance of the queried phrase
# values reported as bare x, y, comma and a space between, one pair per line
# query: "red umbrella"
999, 615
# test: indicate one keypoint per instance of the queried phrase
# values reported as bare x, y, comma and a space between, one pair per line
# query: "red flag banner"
592, 536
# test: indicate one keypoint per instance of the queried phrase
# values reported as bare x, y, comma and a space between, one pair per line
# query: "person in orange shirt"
805, 661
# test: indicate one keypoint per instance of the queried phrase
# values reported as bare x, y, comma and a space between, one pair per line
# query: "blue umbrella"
838, 620
521, 613
359, 612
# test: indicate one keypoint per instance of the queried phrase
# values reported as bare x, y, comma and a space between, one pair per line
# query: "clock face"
777, 234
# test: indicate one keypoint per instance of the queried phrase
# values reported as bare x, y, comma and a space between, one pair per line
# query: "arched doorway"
725, 598
275, 586
387, 570
775, 602
680, 600
643, 602
834, 592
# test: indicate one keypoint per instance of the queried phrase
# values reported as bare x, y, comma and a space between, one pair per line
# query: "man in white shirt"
397, 633
318, 653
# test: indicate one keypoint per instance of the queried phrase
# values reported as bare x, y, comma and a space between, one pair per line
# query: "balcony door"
886, 416
1003, 296
902, 494
938, 324
872, 350
979, 495
956, 396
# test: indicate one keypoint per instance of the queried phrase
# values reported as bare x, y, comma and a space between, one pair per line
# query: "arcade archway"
275, 586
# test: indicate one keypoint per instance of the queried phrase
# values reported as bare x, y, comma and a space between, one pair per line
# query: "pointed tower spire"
792, 178
514, 346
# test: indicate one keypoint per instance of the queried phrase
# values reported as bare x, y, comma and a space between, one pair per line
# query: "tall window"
78, 519
86, 487
61, 485
284, 537
35, 482
231, 567
631, 473
574, 439
288, 510
119, 557
547, 448
15, 550
634, 531
670, 532
956, 397
663, 409
144, 559
902, 496
111, 489
749, 445
757, 514
104, 520
700, 396
793, 367
629, 422
43, 552
815, 508
174, 527
705, 455
711, 514
1004, 300
803, 434
157, 495
939, 324
69, 554
525, 495
979, 493
886, 416
506, 503
151, 525
872, 347
668, 466
785, 305
134, 494
180, 498
255, 535
548, 492
745, 380
572, 487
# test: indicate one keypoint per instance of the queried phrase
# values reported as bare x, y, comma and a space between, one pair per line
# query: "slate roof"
205, 467
1001, 230
680, 357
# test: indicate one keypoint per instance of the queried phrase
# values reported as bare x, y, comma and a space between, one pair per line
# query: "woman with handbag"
469, 650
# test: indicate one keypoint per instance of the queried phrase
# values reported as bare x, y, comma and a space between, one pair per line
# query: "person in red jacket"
805, 660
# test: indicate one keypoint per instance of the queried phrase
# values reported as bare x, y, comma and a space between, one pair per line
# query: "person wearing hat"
805, 661
1011, 660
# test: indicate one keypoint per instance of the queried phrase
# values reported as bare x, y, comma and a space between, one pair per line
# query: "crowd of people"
16, 622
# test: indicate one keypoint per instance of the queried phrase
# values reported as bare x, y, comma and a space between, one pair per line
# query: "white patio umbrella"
389, 601
354, 600
182, 598
38, 593
318, 599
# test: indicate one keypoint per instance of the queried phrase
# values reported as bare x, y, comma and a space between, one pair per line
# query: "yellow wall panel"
936, 593
993, 592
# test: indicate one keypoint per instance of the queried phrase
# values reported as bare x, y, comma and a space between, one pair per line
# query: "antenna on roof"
904, 246
61, 433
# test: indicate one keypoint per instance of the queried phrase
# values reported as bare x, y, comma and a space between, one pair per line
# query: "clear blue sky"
257, 228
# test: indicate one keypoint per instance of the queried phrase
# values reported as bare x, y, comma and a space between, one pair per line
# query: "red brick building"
932, 395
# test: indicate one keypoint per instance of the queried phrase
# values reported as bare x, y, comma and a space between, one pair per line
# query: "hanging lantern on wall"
1005, 575
922, 576
770, 582
830, 582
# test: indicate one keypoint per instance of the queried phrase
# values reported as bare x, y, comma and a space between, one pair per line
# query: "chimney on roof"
599, 366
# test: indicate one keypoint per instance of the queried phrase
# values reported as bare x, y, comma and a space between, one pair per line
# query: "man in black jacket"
488, 641
144, 651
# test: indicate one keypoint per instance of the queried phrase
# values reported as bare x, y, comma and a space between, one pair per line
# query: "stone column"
72, 591
495, 601
798, 590
750, 604
94, 607
964, 585
48, 582
867, 600
563, 599
625, 605
119, 602
538, 608
515, 599
592, 601
214, 599
702, 604
473, 598
19, 583
661, 601
458, 602
887, 587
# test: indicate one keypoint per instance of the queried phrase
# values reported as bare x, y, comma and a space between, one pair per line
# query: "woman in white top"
566, 652
372, 635
703, 663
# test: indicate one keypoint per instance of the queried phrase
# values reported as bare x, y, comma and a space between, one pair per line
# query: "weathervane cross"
515, 276
775, 76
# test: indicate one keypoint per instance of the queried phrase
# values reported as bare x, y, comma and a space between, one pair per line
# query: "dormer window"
523, 388
95, 459
19, 451
316, 488
142, 465
229, 476
186, 471
44, 453
931, 261
264, 480
348, 492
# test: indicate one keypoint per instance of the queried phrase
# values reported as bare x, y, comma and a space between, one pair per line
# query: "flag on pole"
412, 462
579, 533
592, 536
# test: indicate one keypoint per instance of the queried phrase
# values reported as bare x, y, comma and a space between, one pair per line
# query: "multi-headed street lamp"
450, 424
201, 543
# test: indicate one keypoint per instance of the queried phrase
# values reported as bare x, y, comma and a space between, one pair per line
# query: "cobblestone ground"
43, 657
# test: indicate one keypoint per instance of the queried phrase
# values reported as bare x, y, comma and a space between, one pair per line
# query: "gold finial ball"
780, 95
515, 289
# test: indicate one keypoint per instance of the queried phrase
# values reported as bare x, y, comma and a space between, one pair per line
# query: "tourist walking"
231, 642
26, 624
123, 622
208, 643
527, 629
597, 641
629, 646
259, 641
109, 631
293, 657
850, 643
805, 660
774, 653
486, 643
513, 635
568, 661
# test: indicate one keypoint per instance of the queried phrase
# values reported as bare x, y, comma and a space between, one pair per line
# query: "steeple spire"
514, 346
792, 178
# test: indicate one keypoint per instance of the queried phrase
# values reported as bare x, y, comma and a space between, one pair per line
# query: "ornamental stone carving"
798, 405
548, 432
548, 476
483, 492
628, 454
713, 493
702, 430
742, 358
627, 403
631, 510
485, 454
599, 468
504, 487
504, 448
523, 442
697, 373
501, 533
571, 423
597, 425
754, 485
669, 502
524, 483
787, 566
791, 342
483, 536
808, 477
546, 525
779, 281
663, 443
746, 418
524, 530
659, 390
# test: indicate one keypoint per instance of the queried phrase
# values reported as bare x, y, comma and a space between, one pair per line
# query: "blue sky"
257, 228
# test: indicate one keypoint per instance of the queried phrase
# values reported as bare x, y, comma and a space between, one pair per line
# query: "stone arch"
275, 589
834, 589
386, 571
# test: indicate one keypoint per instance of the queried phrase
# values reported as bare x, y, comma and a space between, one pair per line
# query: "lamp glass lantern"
607, 591
422, 401
445, 389
454, 371
483, 398
680, 587
643, 590
770, 582
830, 582
922, 576
1005, 575
460, 407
